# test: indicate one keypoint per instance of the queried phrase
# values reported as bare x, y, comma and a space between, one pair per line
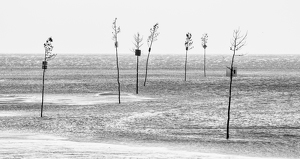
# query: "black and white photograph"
149, 79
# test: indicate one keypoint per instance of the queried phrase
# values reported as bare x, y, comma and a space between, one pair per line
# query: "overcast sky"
85, 26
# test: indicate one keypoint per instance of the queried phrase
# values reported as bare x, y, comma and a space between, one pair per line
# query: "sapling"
116, 31
204, 42
188, 46
48, 56
137, 44
237, 42
151, 39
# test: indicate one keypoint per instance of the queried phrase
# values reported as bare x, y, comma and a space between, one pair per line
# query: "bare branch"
239, 47
242, 41
238, 40
244, 54
116, 30
153, 35
138, 41
132, 50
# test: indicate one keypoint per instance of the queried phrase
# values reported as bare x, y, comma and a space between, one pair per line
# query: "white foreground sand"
34, 145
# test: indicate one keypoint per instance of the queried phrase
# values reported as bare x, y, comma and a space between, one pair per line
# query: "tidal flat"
187, 119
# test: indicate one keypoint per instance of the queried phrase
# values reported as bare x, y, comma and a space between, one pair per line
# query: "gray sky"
84, 26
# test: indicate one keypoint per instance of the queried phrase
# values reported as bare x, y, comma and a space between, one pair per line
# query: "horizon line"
126, 53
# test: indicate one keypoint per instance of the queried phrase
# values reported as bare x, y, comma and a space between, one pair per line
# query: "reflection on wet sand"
72, 99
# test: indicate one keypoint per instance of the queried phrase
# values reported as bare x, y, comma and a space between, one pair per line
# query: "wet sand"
72, 99
35, 145
170, 118
22, 144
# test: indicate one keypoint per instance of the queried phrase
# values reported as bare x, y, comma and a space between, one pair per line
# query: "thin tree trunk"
118, 79
185, 65
228, 119
137, 74
44, 66
236, 44
204, 62
147, 66
230, 85
42, 106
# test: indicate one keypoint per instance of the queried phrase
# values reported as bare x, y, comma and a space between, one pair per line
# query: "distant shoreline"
155, 54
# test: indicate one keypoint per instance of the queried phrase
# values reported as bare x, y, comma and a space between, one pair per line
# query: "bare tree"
204, 42
48, 56
237, 42
116, 31
151, 39
188, 46
138, 43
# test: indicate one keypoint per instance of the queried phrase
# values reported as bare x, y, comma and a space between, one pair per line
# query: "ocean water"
168, 62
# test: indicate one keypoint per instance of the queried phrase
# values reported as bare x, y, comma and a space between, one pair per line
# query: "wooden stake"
137, 74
